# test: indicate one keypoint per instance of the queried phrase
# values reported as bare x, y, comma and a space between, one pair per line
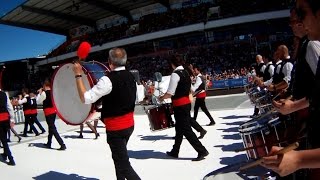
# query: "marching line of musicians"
294, 85
298, 76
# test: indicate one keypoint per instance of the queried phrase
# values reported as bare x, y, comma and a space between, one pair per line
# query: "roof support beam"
68, 17
165, 3
109, 7
35, 27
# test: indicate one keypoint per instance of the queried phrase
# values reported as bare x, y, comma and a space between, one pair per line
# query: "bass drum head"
65, 96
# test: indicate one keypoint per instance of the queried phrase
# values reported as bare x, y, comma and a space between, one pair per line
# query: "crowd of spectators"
191, 14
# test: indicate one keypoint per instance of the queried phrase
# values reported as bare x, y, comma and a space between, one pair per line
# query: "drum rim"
91, 83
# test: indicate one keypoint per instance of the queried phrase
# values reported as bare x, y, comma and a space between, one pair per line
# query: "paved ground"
91, 159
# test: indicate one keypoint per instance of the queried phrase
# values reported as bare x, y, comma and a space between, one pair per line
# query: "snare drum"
264, 100
160, 117
256, 94
249, 87
266, 108
65, 96
260, 134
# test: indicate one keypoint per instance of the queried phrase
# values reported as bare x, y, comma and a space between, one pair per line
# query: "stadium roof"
59, 16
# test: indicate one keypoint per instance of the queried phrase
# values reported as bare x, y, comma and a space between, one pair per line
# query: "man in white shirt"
178, 91
118, 93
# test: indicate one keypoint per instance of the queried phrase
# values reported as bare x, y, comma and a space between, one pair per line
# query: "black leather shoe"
212, 123
47, 145
202, 133
4, 157
80, 136
11, 163
171, 154
62, 148
19, 139
97, 135
201, 156
43, 132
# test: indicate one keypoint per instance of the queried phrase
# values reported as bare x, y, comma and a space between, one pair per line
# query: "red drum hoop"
65, 96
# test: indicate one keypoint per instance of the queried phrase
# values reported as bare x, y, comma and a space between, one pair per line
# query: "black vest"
122, 98
3, 102
27, 105
258, 70
47, 103
278, 77
34, 104
183, 88
302, 78
314, 123
202, 85
266, 75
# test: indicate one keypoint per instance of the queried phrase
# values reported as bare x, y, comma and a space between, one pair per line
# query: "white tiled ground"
91, 159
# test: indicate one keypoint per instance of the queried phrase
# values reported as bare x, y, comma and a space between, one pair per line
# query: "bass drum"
65, 95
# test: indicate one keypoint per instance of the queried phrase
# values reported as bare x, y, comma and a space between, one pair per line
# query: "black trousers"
200, 103
183, 128
117, 141
50, 119
4, 127
28, 120
36, 121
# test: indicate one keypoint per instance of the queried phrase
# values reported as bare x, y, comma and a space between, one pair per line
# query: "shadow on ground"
53, 175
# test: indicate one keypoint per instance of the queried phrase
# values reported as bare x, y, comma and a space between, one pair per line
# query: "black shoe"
202, 133
19, 139
171, 154
62, 148
8, 140
43, 132
4, 157
80, 136
254, 116
201, 156
212, 123
29, 132
11, 163
24, 135
97, 135
47, 145
38, 134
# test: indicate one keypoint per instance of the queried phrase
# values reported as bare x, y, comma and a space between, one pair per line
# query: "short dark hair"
314, 5
25, 90
197, 67
176, 60
47, 83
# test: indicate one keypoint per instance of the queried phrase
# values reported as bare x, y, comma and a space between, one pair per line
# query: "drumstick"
291, 147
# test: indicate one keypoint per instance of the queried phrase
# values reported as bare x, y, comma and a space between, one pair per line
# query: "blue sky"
18, 43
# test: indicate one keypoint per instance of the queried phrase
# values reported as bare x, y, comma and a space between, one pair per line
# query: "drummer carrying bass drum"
118, 92
44, 97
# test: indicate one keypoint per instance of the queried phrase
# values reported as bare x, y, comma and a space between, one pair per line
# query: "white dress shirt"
197, 83
23, 100
286, 70
41, 97
174, 80
313, 54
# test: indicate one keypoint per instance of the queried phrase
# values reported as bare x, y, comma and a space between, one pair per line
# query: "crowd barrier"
229, 83
18, 114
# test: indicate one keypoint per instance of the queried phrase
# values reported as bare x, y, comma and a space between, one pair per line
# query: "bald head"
283, 52
117, 57
259, 59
